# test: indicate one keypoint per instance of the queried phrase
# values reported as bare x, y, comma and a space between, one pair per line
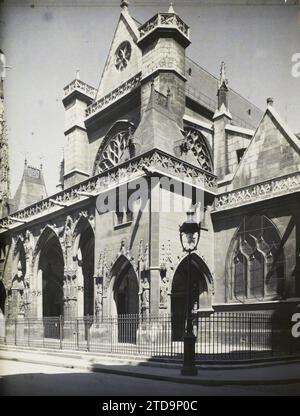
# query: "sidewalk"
270, 374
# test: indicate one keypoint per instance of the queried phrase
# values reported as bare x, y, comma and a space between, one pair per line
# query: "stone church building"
157, 114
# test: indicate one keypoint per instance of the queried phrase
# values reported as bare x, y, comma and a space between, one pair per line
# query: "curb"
186, 380
98, 368
150, 362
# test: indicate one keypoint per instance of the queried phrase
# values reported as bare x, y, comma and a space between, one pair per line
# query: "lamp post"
189, 238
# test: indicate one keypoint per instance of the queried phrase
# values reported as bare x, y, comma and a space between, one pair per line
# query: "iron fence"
220, 336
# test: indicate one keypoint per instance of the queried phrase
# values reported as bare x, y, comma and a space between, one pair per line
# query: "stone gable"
273, 152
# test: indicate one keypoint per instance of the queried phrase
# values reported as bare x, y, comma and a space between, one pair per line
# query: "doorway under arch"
51, 269
201, 294
2, 298
126, 301
85, 247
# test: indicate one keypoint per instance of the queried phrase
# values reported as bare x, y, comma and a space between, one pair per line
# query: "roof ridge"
231, 89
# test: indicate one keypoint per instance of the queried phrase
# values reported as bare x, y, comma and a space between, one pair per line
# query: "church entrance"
200, 294
86, 265
51, 269
126, 297
2, 298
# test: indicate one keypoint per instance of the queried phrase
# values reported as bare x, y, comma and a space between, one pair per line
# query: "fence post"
60, 332
77, 334
250, 336
15, 331
28, 332
5, 331
112, 328
88, 335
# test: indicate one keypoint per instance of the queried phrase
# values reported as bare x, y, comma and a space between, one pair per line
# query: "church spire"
222, 88
4, 158
171, 8
124, 5
223, 79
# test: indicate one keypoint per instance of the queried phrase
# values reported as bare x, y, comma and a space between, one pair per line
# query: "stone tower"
221, 118
77, 96
163, 41
4, 156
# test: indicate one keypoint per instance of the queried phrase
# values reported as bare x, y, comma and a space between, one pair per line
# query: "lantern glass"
190, 232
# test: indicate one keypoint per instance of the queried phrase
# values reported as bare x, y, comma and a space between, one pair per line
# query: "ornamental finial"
77, 74
171, 8
223, 79
124, 4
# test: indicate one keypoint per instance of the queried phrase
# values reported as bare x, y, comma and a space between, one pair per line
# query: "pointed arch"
123, 297
84, 258
49, 274
2, 298
202, 291
124, 282
113, 146
200, 147
258, 241
19, 256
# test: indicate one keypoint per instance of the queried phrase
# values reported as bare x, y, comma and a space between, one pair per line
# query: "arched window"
256, 260
240, 275
116, 146
197, 143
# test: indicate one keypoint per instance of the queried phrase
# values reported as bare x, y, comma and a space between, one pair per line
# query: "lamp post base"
189, 368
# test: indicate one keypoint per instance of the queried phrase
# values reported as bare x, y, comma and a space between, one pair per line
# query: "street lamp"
189, 238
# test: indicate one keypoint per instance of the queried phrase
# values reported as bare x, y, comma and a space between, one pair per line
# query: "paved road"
34, 379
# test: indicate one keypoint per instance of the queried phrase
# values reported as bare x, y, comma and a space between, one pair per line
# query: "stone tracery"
196, 142
256, 267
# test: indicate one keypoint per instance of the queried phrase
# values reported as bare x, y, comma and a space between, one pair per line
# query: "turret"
221, 118
163, 41
77, 96
4, 155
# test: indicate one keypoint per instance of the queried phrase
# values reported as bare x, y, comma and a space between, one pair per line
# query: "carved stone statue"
145, 296
98, 301
164, 288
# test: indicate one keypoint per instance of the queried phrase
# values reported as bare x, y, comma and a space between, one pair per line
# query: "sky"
45, 42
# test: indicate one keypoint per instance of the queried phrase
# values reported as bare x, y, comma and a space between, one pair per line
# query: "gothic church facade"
158, 114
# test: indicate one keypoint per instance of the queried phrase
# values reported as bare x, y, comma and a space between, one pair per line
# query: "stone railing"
117, 93
121, 173
78, 85
259, 192
163, 20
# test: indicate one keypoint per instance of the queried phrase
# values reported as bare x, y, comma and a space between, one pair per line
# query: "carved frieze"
258, 192
155, 158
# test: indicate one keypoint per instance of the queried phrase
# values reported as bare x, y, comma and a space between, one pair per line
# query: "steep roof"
202, 86
158, 128
274, 151
31, 188
126, 31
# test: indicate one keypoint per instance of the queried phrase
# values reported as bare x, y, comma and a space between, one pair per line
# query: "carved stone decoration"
19, 294
143, 257
99, 297
114, 95
145, 294
164, 291
66, 240
263, 191
169, 164
28, 245
166, 260
112, 154
196, 143
68, 232
102, 268
143, 273
122, 56
69, 294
